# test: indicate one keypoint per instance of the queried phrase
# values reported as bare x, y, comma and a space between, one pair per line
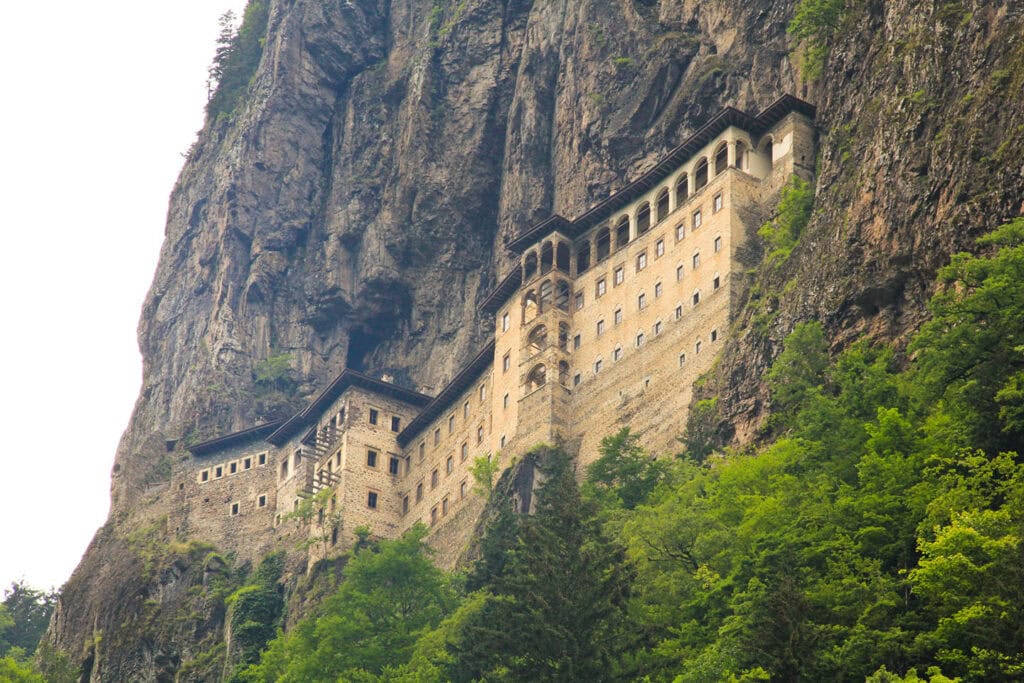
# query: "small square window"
433, 479
714, 335
374, 416
232, 467
579, 301
617, 353
696, 219
718, 243
641, 260
576, 379
618, 276
657, 328
261, 459
396, 423
657, 290
640, 340
659, 248
597, 366
449, 465
641, 301
204, 475
261, 501
371, 500
576, 342
371, 458
618, 316
419, 492
247, 464
504, 322
234, 509
218, 472
393, 464
680, 231
601, 288
717, 203
696, 260
600, 327
716, 283
679, 312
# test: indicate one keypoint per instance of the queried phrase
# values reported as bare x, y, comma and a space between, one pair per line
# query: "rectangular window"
423, 450
601, 288
433, 479
682, 359
679, 312
659, 248
393, 463
696, 298
640, 340
504, 321
501, 442
576, 341
597, 366
437, 436
657, 328
419, 492
373, 416
641, 260
617, 353
717, 203
504, 401
451, 423
261, 501
218, 472
696, 260
618, 316
506, 362
579, 301
618, 276
371, 458
234, 509
680, 231
464, 451
371, 500
679, 273
479, 435
204, 475
232, 467
396, 423
696, 347
261, 459
696, 219
462, 489
641, 301
716, 283
714, 335
247, 464
465, 410
444, 506
483, 392
576, 379
657, 290
405, 505
433, 515
718, 243
600, 327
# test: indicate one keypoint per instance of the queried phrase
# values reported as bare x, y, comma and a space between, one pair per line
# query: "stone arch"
604, 243
583, 258
742, 162
700, 174
531, 308
562, 257
544, 299
529, 266
563, 336
766, 150
562, 294
643, 218
682, 189
537, 340
563, 373
721, 158
662, 205
547, 257
622, 233
537, 377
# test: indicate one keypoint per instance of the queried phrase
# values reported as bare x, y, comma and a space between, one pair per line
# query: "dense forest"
876, 533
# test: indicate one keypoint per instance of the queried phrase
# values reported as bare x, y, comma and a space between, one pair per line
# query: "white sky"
98, 100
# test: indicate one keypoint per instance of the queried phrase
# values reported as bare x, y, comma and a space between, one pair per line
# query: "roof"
506, 288
348, 378
452, 391
256, 433
729, 116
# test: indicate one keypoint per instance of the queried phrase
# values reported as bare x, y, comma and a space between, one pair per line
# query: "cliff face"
353, 210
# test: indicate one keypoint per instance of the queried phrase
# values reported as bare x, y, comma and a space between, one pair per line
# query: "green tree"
625, 474
28, 611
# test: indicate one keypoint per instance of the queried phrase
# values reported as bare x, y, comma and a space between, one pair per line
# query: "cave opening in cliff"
361, 343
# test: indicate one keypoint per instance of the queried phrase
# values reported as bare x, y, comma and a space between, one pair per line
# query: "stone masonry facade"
606, 321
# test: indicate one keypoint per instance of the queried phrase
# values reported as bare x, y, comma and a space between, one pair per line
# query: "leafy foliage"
24, 614
236, 58
783, 233
815, 22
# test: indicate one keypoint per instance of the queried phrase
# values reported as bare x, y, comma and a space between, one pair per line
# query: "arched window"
583, 258
563, 336
547, 258
662, 203
530, 308
604, 244
622, 233
741, 155
537, 378
700, 175
562, 293
682, 189
537, 340
563, 373
721, 158
545, 296
562, 257
643, 219
529, 266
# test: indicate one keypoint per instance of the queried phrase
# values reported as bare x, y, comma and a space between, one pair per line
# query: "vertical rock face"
353, 210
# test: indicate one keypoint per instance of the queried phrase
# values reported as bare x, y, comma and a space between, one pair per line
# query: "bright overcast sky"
99, 100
